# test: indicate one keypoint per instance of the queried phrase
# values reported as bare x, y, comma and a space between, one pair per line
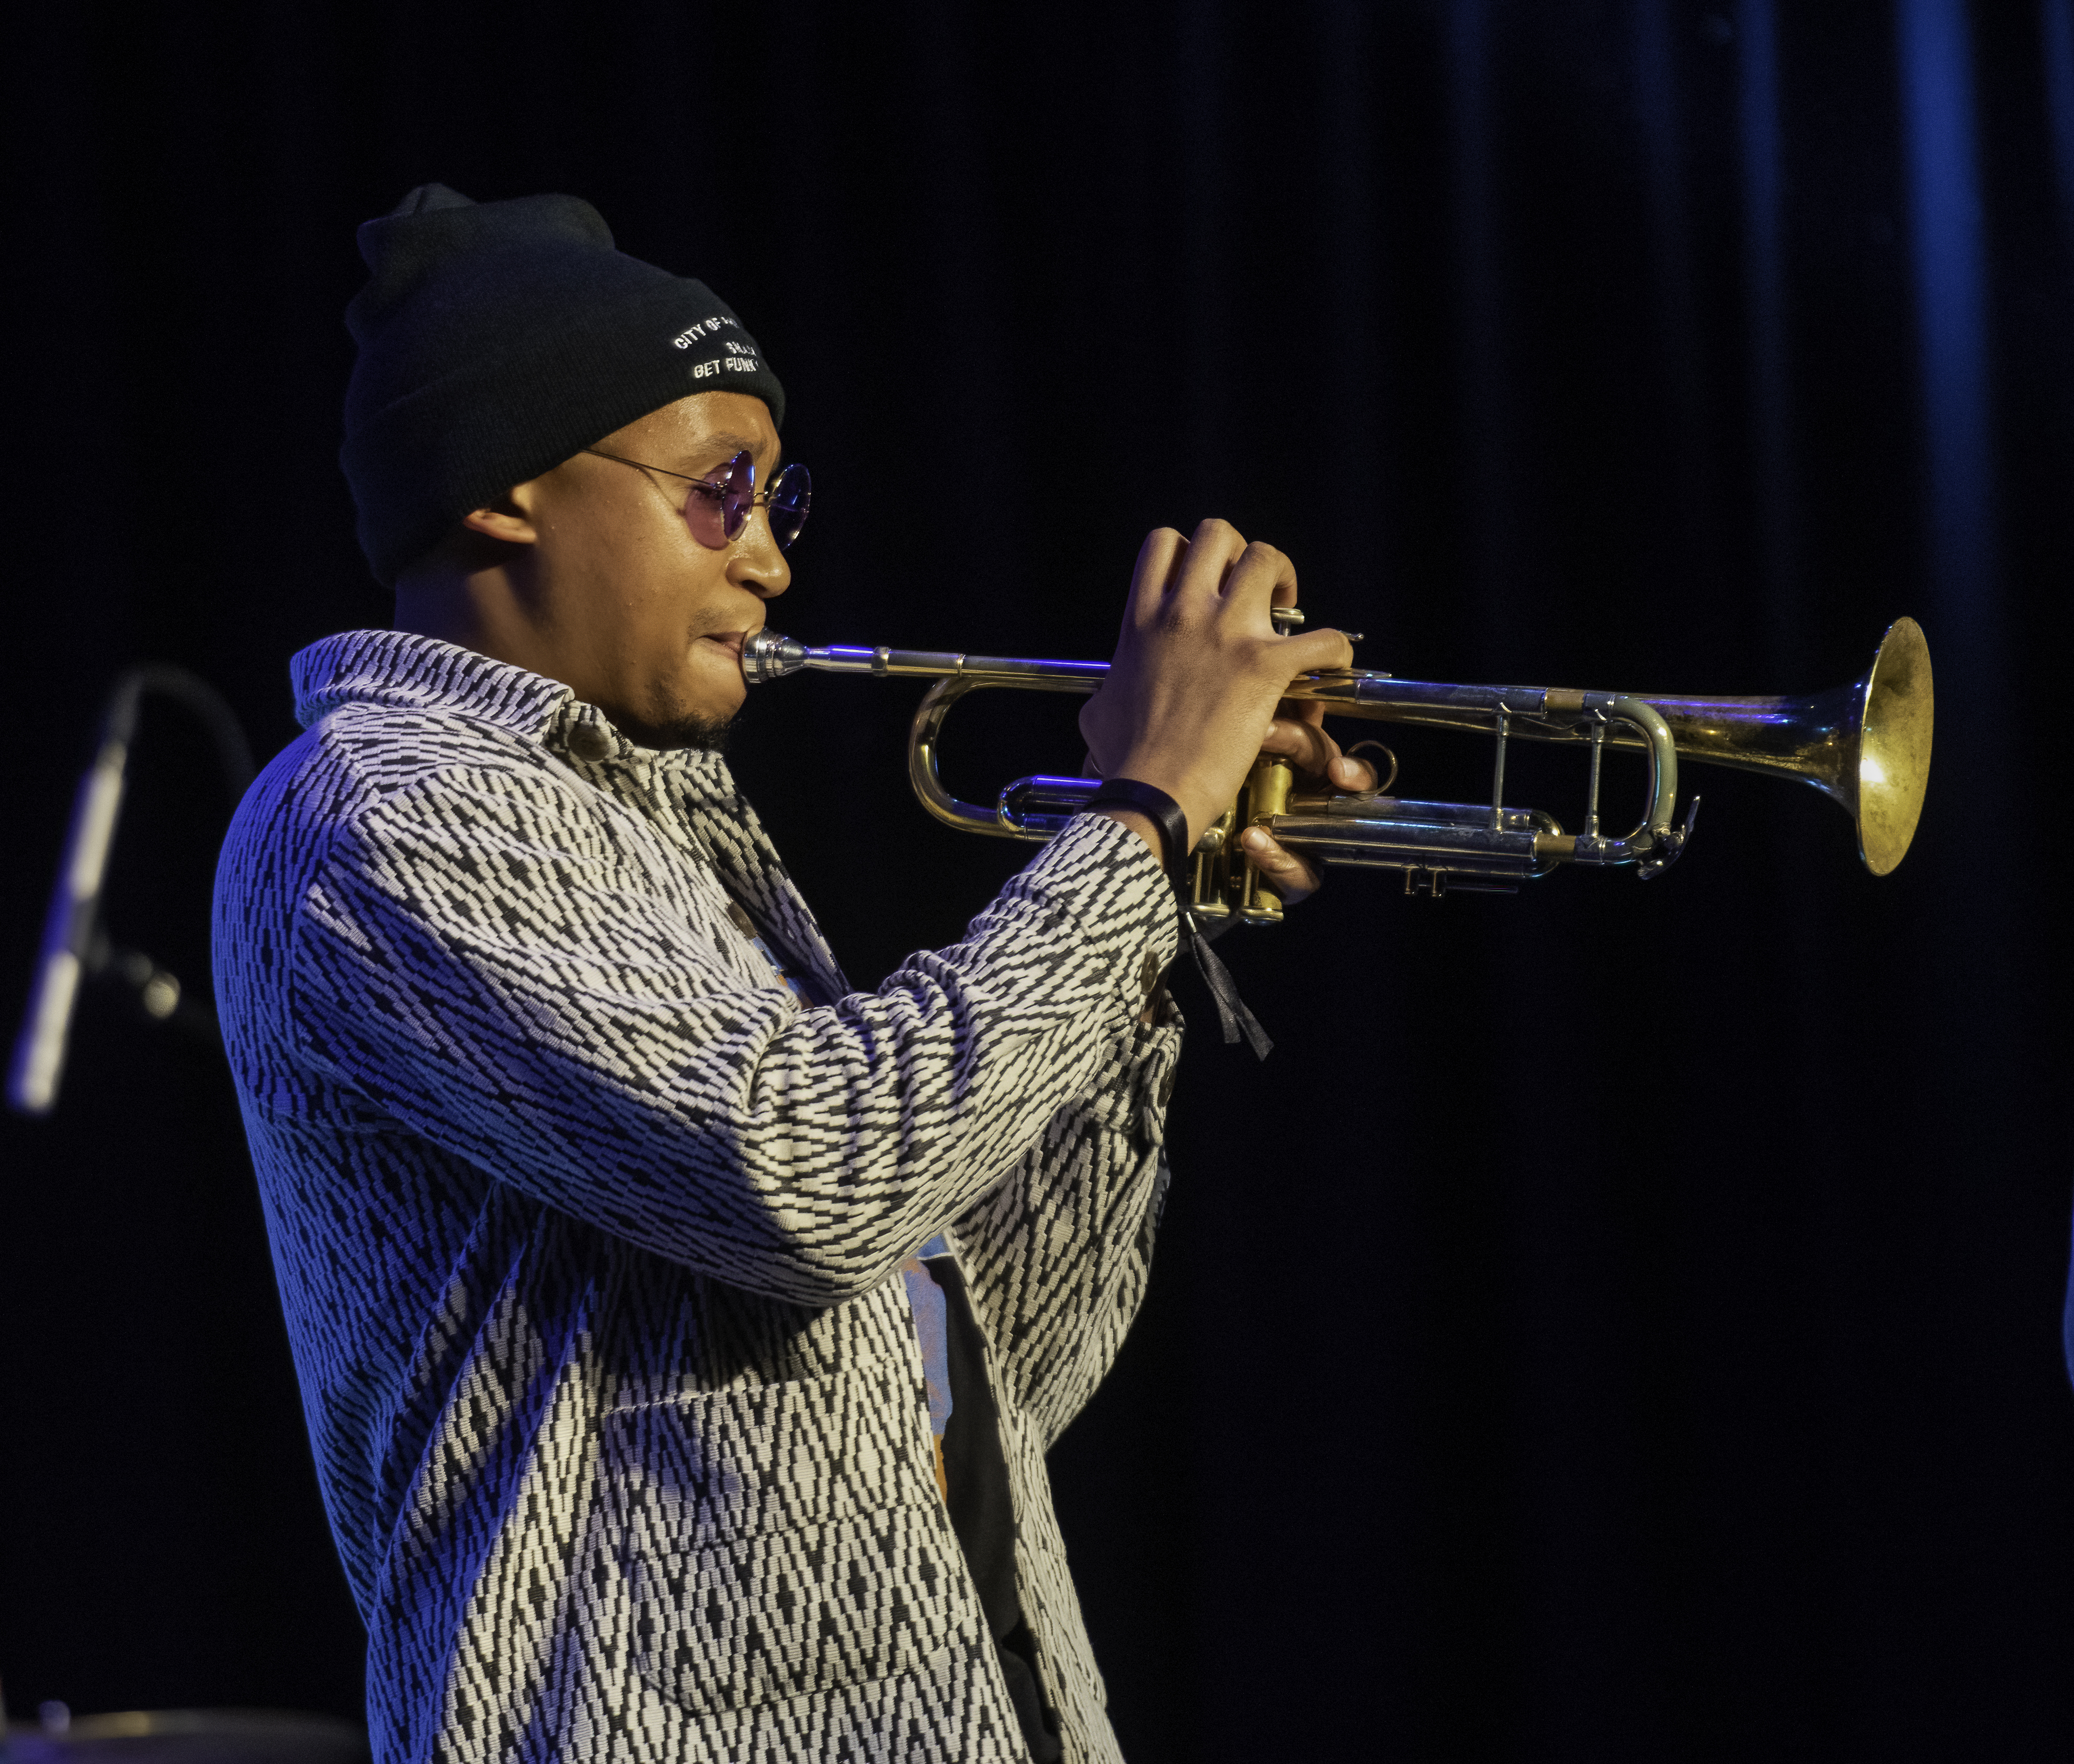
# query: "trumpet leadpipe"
768, 656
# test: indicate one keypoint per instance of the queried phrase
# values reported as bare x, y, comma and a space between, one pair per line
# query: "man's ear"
498, 524
508, 518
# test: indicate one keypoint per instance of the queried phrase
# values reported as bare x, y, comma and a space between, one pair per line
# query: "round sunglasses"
716, 507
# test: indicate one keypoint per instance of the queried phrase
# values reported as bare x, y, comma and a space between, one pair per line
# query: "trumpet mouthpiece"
769, 654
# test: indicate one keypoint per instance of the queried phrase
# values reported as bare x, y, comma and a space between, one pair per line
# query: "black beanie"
496, 340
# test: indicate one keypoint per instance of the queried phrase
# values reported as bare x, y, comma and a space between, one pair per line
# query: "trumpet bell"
1865, 746
1893, 762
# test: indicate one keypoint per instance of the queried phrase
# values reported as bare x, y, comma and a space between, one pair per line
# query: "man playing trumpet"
682, 1330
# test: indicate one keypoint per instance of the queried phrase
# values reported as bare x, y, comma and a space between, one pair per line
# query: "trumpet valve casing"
1265, 796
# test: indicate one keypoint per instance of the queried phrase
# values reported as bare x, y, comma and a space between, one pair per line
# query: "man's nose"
757, 564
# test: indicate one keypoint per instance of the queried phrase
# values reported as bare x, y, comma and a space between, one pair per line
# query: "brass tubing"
924, 739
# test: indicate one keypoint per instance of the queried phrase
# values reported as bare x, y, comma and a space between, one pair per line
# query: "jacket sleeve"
1058, 1254
528, 994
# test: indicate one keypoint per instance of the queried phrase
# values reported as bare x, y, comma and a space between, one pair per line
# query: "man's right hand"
1191, 694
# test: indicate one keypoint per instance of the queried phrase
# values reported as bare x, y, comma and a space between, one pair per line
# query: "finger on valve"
1305, 745
1291, 877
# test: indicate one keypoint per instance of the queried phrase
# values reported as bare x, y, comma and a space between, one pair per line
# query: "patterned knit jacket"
586, 1229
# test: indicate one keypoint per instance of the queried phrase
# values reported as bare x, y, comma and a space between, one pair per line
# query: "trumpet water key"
1865, 746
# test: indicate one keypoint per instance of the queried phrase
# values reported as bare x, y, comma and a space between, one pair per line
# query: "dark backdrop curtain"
1619, 1321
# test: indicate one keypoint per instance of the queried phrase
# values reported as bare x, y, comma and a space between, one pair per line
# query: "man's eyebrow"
728, 445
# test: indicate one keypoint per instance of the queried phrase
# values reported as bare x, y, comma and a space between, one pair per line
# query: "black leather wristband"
1156, 806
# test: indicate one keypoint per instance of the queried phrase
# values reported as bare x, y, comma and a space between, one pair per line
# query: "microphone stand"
76, 945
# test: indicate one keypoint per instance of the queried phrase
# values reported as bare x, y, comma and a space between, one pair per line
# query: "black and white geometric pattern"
587, 1231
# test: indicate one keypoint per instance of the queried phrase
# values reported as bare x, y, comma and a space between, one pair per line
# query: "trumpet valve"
1209, 873
1267, 787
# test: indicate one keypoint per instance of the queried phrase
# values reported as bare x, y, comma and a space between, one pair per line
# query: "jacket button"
589, 741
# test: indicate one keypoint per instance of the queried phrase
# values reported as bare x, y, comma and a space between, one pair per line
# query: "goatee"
708, 734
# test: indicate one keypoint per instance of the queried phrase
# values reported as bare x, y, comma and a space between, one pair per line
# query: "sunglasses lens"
791, 494
703, 516
716, 507
738, 498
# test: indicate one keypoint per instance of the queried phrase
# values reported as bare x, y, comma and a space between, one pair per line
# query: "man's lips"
729, 641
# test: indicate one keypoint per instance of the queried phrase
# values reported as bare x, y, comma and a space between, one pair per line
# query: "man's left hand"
1298, 733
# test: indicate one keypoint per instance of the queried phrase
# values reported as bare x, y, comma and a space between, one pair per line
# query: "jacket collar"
407, 672
410, 672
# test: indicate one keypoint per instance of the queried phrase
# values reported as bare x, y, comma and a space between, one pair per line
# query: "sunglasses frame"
719, 492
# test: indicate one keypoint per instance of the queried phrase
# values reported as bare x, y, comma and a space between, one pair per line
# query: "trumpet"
1865, 745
